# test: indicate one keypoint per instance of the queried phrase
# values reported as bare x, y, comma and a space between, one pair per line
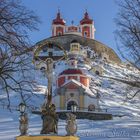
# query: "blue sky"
102, 12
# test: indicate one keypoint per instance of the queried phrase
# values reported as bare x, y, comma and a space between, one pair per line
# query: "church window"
75, 47
50, 54
44, 49
85, 34
72, 94
97, 72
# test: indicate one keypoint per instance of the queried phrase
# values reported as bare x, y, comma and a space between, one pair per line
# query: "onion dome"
58, 19
71, 71
86, 19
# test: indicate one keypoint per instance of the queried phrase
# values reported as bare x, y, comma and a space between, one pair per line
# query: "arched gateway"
71, 104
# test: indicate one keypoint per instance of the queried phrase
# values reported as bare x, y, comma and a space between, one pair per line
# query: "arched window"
44, 49
85, 34
71, 94
97, 72
75, 47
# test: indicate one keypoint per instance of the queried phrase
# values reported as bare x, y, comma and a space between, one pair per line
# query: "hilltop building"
85, 28
68, 37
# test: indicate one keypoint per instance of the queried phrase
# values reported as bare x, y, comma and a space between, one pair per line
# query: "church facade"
73, 89
85, 28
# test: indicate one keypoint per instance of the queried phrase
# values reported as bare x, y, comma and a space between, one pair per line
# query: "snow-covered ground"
116, 129
112, 97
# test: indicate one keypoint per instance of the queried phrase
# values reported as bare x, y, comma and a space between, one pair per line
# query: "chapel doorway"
71, 104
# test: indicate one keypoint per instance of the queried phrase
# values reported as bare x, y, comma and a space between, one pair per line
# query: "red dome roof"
86, 19
58, 19
71, 71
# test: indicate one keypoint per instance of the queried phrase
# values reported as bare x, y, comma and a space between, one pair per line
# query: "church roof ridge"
72, 71
87, 90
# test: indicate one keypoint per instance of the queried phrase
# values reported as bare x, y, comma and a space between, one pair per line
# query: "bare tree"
128, 30
15, 22
128, 36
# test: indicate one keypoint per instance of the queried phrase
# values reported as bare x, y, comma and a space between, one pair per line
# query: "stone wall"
87, 115
82, 115
98, 47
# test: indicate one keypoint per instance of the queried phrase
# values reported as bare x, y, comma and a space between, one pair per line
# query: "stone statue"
71, 126
23, 124
50, 119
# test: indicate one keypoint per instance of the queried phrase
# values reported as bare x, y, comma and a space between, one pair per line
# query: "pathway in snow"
117, 129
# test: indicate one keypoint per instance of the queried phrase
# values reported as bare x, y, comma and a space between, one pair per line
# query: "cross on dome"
86, 19
58, 19
86, 15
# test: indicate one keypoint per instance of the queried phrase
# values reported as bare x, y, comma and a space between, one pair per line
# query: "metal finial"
72, 22
58, 9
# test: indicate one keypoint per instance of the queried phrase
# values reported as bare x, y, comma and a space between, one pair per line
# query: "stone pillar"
81, 105
81, 98
62, 98
62, 105
47, 138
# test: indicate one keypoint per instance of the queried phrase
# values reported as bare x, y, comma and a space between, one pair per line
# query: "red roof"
58, 19
71, 71
86, 19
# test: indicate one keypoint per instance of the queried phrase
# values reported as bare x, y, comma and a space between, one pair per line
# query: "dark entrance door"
71, 103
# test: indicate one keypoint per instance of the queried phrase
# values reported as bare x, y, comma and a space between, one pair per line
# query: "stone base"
83, 115
47, 138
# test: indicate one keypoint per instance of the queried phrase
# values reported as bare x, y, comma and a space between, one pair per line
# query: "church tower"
87, 26
58, 25
85, 29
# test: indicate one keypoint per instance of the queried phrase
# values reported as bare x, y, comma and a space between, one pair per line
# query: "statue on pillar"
50, 119
71, 126
23, 124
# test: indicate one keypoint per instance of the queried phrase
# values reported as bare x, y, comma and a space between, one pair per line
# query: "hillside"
65, 40
126, 120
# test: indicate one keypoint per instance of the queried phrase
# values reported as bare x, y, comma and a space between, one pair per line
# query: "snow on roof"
87, 90
72, 71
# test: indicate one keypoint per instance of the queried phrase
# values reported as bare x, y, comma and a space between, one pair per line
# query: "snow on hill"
126, 121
